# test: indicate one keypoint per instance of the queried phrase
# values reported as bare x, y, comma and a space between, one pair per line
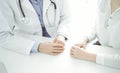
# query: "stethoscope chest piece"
26, 19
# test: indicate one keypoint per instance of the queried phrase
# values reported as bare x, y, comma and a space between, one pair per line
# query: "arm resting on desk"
11, 41
112, 60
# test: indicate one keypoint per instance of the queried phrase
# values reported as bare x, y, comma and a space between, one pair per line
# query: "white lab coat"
107, 31
20, 39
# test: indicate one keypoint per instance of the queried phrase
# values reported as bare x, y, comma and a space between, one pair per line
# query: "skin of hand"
51, 48
83, 43
78, 51
60, 40
81, 53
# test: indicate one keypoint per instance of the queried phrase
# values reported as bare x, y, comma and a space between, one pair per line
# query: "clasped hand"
53, 48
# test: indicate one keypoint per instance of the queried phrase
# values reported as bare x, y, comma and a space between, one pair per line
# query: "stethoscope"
23, 14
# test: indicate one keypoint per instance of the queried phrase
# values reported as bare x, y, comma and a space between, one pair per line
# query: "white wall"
82, 16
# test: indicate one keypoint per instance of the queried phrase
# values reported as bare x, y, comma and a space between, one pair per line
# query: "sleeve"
64, 23
35, 47
11, 41
112, 60
91, 34
105, 57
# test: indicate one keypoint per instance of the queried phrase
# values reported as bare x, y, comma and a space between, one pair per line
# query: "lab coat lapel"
46, 4
28, 5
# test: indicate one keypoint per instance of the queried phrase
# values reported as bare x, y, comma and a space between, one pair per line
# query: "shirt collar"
35, 1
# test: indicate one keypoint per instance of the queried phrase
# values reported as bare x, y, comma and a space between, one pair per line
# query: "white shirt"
107, 31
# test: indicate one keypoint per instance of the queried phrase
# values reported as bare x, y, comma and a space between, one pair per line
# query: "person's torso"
30, 23
108, 25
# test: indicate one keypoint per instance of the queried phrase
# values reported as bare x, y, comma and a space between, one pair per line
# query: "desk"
43, 63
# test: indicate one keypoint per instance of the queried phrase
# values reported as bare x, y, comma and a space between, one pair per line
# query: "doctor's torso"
30, 23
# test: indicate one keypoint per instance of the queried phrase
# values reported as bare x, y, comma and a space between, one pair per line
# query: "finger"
59, 41
79, 45
72, 50
52, 53
55, 41
72, 54
58, 50
56, 45
56, 53
76, 47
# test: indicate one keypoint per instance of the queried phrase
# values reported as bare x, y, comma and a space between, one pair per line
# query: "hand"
51, 48
81, 53
78, 52
83, 43
60, 40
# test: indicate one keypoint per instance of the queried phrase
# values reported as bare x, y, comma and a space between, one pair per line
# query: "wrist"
62, 36
90, 57
84, 41
39, 47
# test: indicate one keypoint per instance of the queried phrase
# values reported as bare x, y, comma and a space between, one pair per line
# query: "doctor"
27, 24
107, 31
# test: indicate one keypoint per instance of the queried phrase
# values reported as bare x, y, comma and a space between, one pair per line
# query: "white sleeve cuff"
35, 47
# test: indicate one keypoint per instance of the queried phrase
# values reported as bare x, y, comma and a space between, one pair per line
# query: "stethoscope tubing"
55, 7
21, 8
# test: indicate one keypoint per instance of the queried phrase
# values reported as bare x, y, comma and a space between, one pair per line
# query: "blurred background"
82, 17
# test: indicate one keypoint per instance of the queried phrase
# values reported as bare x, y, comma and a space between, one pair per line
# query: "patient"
107, 31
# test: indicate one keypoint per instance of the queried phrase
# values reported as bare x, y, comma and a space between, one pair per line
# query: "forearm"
64, 22
90, 57
17, 44
112, 60
11, 41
